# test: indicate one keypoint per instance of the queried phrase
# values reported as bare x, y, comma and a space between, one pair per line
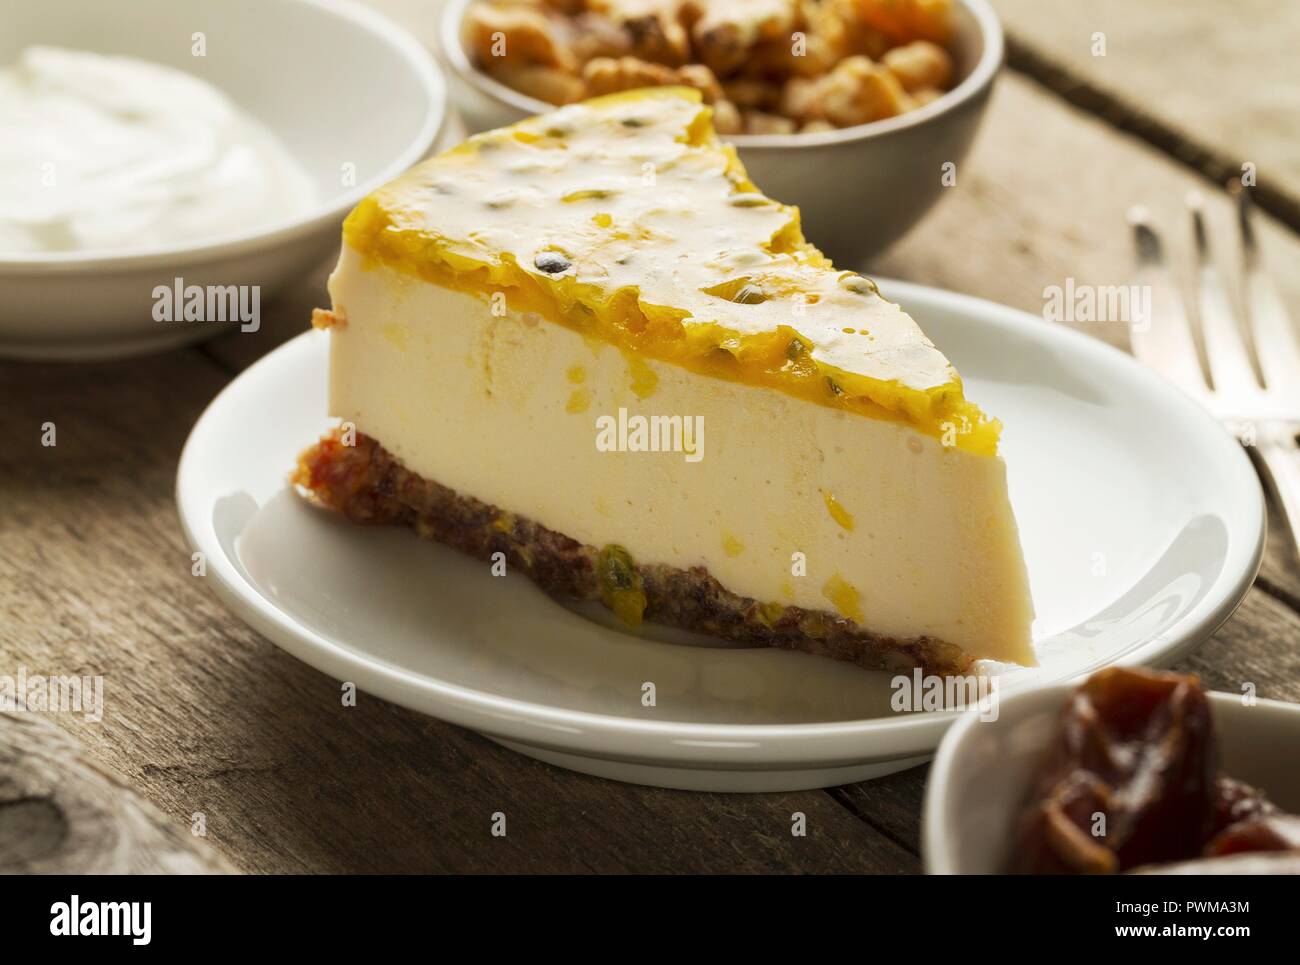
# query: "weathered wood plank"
1280, 572
891, 804
63, 814
1212, 84
1259, 646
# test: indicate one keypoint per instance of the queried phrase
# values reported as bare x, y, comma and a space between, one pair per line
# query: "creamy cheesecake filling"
791, 502
366, 484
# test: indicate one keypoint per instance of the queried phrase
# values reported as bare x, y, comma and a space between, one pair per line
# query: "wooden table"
205, 716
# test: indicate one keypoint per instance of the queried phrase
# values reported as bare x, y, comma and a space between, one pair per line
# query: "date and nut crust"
765, 66
366, 484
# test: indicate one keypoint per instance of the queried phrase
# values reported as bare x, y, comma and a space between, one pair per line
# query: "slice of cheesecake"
587, 343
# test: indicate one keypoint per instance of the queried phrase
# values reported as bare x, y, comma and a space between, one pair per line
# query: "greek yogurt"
113, 153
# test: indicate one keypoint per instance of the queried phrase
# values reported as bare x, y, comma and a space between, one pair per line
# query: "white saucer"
1142, 523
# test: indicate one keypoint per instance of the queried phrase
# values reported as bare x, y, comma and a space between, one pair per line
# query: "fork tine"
1164, 341
1231, 369
1278, 347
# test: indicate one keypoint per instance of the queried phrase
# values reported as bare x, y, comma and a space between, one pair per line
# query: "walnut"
858, 91
758, 122
726, 118
653, 26
544, 83
857, 36
925, 95
726, 34
702, 79
494, 33
815, 64
903, 21
919, 64
799, 99
749, 92
594, 35
608, 75
818, 41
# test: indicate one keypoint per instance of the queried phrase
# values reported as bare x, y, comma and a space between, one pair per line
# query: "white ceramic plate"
982, 771
353, 97
1142, 523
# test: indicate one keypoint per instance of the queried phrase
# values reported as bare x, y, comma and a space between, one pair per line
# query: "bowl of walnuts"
856, 111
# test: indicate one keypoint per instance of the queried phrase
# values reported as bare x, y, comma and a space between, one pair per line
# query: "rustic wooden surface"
1233, 100
203, 715
61, 813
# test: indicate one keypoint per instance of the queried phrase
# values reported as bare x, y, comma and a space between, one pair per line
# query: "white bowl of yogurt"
168, 165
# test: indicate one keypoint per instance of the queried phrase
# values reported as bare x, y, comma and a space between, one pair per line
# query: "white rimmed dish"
1105, 462
982, 770
354, 98
860, 188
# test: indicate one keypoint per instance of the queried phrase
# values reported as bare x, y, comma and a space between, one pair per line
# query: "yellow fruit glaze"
626, 219
837, 511
845, 597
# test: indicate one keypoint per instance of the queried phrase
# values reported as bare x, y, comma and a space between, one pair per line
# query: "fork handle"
1280, 460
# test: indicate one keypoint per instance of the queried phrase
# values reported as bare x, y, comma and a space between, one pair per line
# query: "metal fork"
1247, 373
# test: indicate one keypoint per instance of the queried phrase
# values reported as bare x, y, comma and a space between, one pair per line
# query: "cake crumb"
324, 318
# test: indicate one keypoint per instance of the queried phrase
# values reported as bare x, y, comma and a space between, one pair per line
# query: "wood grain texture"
1259, 646
1212, 83
61, 813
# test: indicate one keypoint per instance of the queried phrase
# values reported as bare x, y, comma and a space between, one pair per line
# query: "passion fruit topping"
620, 584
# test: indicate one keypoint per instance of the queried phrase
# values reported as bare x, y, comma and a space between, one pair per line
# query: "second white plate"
1142, 523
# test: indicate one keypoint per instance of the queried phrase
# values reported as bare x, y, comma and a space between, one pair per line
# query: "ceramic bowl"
859, 188
354, 98
982, 770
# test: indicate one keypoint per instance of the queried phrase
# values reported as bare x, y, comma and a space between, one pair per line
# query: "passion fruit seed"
858, 285
769, 614
552, 262
834, 386
588, 194
620, 585
615, 569
795, 349
749, 295
748, 200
